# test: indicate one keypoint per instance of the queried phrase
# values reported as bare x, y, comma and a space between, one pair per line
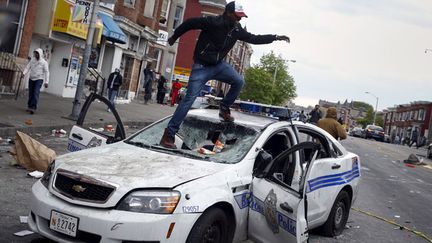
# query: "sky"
346, 48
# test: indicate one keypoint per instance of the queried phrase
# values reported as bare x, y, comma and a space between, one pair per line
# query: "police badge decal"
270, 211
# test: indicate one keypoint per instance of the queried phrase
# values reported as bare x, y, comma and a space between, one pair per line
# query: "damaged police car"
258, 178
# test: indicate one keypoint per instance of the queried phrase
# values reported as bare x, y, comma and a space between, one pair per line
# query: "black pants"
160, 97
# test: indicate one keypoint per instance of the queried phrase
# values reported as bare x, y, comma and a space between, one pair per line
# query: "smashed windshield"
203, 138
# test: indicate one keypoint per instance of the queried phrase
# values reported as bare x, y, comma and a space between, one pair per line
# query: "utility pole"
83, 72
376, 106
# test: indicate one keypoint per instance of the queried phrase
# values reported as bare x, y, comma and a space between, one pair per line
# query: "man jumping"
218, 36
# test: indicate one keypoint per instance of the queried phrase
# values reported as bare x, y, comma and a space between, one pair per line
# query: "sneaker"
225, 115
167, 140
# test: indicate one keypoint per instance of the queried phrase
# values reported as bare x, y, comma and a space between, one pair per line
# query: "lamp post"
376, 105
276, 69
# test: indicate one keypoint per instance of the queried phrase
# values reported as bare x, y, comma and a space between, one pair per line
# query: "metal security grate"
82, 188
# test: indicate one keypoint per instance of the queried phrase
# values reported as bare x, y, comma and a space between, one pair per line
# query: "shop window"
149, 8
178, 16
129, 3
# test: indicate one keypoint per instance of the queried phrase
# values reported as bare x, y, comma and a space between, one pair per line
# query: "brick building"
403, 119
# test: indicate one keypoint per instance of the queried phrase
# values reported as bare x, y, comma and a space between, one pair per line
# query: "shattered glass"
202, 132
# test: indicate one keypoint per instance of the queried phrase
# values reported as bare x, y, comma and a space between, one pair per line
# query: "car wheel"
212, 226
429, 153
338, 217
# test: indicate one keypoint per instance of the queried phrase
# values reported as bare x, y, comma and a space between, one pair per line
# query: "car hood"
129, 167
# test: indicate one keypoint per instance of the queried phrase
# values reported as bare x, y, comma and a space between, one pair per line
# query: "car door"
277, 211
82, 137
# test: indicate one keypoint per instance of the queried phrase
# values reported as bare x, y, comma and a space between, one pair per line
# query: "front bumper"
106, 225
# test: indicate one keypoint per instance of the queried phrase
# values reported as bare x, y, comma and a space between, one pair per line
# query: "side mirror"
261, 162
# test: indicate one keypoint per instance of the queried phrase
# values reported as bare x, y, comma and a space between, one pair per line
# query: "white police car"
271, 181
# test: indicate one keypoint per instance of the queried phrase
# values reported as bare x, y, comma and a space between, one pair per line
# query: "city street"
389, 190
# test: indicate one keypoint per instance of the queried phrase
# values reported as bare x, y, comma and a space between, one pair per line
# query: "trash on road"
109, 128
100, 129
397, 216
410, 165
29, 122
30, 154
23, 233
36, 174
59, 133
414, 160
23, 219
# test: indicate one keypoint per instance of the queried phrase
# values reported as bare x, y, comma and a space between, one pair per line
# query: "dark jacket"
315, 115
217, 37
331, 125
162, 84
117, 81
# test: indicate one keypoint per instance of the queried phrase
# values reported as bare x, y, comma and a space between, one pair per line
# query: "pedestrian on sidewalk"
148, 83
162, 88
115, 80
218, 36
414, 137
331, 125
38, 73
176, 86
315, 115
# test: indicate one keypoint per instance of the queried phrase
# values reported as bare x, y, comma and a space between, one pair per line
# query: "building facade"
346, 111
403, 119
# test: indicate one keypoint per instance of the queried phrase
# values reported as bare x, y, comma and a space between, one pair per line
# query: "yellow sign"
62, 22
182, 74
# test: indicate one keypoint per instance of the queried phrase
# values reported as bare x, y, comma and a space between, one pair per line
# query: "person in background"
302, 116
315, 115
176, 86
38, 72
148, 83
162, 88
331, 125
115, 80
414, 137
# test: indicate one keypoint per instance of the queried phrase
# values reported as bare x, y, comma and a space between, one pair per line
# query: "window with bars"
178, 16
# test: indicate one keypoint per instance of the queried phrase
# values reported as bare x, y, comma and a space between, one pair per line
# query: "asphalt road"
389, 190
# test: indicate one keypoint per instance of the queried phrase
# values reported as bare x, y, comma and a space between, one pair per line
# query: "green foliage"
368, 119
261, 86
364, 105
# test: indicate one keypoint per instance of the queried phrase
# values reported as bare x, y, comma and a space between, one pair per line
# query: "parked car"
375, 132
253, 187
357, 132
429, 151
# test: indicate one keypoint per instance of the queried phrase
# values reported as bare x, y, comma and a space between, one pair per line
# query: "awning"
111, 30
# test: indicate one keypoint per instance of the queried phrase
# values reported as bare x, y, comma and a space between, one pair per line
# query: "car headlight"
159, 202
47, 175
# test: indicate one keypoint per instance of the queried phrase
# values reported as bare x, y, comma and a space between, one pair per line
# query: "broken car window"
203, 137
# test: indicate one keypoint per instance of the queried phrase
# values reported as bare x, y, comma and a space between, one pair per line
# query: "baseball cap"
235, 8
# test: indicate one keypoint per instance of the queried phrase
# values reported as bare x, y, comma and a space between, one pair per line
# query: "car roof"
241, 118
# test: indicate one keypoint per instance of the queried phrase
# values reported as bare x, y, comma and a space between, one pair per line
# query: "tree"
368, 119
262, 87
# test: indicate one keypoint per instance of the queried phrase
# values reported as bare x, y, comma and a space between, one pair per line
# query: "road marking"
365, 168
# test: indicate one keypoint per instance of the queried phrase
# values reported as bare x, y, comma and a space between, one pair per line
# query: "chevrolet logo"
78, 188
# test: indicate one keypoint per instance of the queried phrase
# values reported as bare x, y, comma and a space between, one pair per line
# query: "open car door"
277, 208
81, 137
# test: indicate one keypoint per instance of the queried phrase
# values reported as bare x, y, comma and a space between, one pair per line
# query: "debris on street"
59, 133
30, 154
24, 233
414, 160
36, 174
23, 219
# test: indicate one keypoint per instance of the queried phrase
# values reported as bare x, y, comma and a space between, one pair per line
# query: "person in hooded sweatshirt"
331, 125
38, 72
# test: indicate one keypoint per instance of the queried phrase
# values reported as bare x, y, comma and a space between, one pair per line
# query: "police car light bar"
276, 112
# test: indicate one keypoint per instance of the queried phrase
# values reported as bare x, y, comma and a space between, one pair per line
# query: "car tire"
212, 226
338, 217
429, 153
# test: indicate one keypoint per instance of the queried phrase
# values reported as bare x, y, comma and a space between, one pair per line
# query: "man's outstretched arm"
261, 39
190, 24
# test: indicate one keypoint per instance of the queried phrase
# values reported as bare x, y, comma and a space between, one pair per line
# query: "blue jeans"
112, 94
34, 91
199, 76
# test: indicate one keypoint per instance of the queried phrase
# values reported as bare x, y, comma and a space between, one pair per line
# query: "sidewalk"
52, 109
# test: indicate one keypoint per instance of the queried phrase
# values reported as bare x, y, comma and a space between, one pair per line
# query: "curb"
9, 132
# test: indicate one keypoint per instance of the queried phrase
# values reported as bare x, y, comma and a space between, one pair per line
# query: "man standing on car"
38, 74
115, 80
218, 36
331, 125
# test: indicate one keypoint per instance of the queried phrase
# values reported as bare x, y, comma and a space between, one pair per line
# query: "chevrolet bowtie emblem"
78, 188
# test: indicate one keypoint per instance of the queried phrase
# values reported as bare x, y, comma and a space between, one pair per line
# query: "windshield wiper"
138, 144
178, 151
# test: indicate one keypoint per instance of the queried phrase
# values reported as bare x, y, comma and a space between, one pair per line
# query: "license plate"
64, 223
